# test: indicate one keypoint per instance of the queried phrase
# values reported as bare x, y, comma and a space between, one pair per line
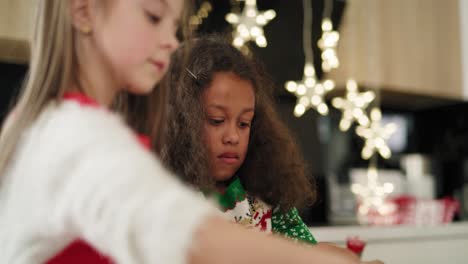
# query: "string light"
372, 195
353, 106
249, 24
196, 20
376, 135
309, 91
329, 40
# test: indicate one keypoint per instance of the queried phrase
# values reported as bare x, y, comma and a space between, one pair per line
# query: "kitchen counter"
405, 244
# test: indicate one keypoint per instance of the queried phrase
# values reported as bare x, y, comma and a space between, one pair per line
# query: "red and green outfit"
251, 212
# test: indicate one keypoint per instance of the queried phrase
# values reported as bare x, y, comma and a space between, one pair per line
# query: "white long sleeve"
80, 173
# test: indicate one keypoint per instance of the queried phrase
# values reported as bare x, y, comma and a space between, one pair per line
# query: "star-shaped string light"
328, 43
372, 195
249, 24
376, 135
309, 91
353, 106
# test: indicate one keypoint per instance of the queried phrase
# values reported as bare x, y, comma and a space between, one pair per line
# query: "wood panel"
404, 45
16, 19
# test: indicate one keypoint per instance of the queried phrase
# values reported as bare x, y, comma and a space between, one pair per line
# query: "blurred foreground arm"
222, 242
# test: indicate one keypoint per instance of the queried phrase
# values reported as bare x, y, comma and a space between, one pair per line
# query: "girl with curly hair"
224, 134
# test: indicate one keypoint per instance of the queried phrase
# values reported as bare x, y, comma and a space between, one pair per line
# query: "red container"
355, 244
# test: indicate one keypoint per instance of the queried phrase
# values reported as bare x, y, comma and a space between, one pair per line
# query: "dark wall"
11, 77
284, 56
443, 135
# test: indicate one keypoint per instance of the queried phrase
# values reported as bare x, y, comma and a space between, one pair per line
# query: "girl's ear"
81, 12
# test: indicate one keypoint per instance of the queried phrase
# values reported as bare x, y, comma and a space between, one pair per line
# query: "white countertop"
338, 234
405, 244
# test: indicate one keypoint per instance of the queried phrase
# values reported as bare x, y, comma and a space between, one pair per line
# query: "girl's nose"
231, 136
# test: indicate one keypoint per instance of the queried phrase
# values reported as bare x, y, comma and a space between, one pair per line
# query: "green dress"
251, 212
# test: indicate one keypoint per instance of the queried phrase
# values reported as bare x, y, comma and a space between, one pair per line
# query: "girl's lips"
160, 66
229, 158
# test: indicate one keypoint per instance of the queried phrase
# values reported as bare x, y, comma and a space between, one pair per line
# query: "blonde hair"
52, 66
50, 71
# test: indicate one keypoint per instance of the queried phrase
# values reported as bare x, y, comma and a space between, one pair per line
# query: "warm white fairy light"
353, 105
249, 24
372, 195
376, 136
328, 43
196, 20
309, 91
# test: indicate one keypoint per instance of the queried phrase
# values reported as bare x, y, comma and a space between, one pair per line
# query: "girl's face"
136, 39
229, 105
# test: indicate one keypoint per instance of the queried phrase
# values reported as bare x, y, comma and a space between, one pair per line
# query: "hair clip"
193, 76
191, 73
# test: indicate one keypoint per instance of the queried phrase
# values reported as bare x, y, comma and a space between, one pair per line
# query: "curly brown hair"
274, 169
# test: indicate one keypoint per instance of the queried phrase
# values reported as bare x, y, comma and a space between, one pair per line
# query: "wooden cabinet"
410, 46
16, 20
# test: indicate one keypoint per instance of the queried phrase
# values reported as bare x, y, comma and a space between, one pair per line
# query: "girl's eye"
244, 124
216, 121
153, 18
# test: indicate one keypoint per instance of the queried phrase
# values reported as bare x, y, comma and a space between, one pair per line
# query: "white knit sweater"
79, 172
